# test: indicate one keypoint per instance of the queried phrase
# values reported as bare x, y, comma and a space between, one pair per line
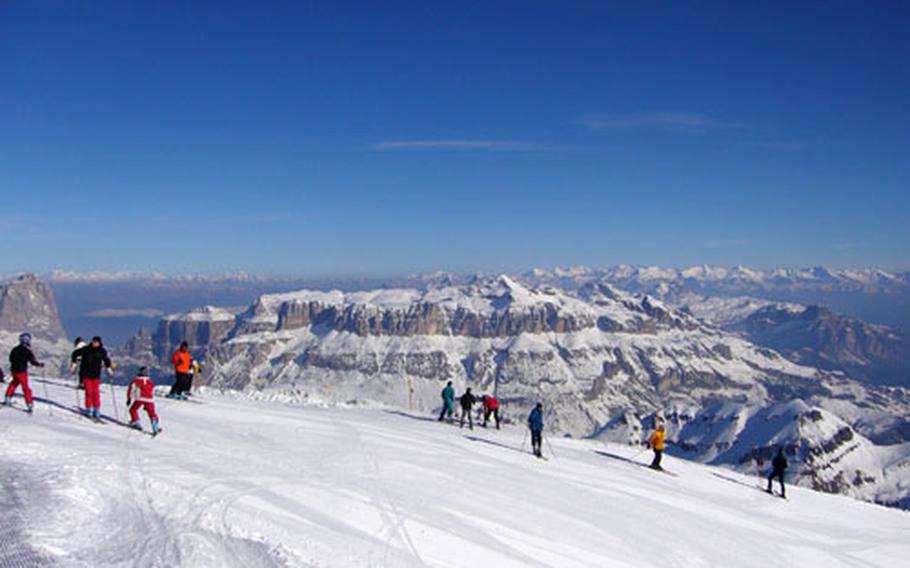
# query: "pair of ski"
14, 407
98, 420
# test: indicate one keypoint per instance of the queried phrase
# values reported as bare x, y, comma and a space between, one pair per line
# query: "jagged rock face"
27, 304
818, 337
141, 348
200, 328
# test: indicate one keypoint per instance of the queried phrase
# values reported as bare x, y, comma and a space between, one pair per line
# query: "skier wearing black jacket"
780, 467
19, 359
91, 358
467, 401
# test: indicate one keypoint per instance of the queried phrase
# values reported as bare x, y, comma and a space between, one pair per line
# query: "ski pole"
47, 400
114, 398
549, 445
640, 452
524, 441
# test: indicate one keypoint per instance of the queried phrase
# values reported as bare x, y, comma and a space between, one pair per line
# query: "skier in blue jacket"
448, 402
535, 423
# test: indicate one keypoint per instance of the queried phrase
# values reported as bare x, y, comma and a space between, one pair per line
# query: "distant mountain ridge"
819, 277
737, 278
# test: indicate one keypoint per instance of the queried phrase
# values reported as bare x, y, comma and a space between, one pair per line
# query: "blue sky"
343, 138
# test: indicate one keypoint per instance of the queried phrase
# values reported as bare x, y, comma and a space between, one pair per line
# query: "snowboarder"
656, 443
182, 361
77, 345
90, 359
779, 465
490, 407
535, 423
141, 394
467, 401
20, 358
448, 402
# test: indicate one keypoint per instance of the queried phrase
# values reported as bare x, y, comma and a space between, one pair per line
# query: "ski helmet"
25, 339
143, 371
97, 339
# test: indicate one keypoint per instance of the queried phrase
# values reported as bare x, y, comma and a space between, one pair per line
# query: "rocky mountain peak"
27, 304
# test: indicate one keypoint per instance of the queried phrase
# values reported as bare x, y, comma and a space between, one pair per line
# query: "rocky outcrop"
200, 328
27, 304
816, 336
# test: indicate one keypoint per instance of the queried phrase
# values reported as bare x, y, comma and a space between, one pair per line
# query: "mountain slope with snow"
241, 482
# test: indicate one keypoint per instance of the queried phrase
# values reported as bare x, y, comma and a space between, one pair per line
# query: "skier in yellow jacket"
656, 443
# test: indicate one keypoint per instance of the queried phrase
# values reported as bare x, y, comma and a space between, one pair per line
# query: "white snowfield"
241, 482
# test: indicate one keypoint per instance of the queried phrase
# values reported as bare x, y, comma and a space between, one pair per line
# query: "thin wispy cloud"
724, 243
653, 121
846, 245
778, 145
479, 145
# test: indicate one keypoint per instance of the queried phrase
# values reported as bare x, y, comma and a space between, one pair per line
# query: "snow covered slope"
241, 482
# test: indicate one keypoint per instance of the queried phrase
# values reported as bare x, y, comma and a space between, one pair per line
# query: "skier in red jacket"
490, 406
141, 394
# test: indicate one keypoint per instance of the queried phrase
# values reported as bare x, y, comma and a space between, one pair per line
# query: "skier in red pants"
90, 359
141, 394
19, 359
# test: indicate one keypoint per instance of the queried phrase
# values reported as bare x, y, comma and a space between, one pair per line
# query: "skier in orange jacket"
183, 364
656, 443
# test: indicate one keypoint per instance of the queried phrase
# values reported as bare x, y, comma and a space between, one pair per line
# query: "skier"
448, 402
656, 443
535, 423
490, 407
467, 401
194, 377
183, 362
779, 465
77, 345
20, 358
91, 358
141, 394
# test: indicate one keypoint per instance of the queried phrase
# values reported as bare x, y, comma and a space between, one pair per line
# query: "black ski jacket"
20, 357
780, 464
467, 400
92, 359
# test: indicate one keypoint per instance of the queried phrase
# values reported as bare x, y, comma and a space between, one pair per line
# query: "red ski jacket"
491, 403
142, 389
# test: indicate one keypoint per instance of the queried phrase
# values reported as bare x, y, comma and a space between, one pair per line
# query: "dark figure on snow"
90, 359
77, 345
467, 401
490, 407
183, 363
448, 402
656, 443
19, 359
535, 423
780, 467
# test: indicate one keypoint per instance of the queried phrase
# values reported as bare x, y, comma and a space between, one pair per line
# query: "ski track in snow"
251, 483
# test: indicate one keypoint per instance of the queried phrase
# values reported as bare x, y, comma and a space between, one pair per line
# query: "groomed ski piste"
237, 481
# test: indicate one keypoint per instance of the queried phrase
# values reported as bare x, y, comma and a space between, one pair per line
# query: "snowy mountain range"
738, 278
602, 361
